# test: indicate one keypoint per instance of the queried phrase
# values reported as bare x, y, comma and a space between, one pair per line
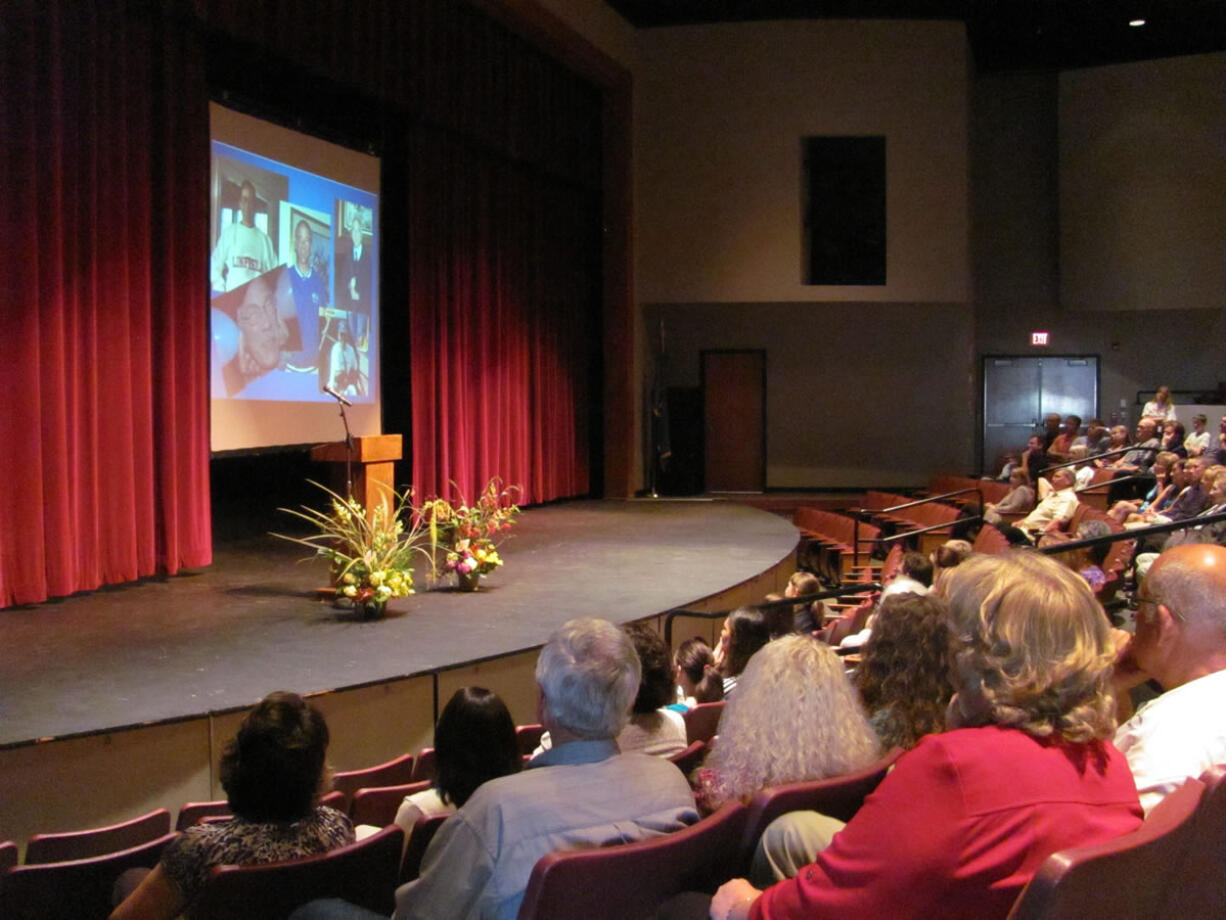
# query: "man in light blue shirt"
581, 793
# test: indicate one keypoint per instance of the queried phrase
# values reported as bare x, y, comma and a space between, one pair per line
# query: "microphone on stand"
337, 396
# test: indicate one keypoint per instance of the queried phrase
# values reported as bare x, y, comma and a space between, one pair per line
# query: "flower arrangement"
370, 554
465, 534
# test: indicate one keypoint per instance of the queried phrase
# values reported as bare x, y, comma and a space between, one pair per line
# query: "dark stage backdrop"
104, 431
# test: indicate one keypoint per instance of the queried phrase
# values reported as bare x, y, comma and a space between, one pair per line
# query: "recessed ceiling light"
1136, 23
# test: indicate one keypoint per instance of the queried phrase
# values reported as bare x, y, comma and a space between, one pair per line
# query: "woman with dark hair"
273, 772
653, 727
474, 740
745, 631
903, 676
695, 674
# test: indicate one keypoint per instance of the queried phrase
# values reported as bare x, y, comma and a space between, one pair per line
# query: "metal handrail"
787, 601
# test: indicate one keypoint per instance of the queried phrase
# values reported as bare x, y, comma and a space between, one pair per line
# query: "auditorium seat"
1197, 883
1129, 878
195, 812
79, 889
8, 855
633, 879
363, 873
424, 829
424, 767
47, 848
394, 772
378, 806
702, 722
687, 761
528, 737
838, 797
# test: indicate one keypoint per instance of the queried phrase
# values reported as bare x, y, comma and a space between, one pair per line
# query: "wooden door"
734, 420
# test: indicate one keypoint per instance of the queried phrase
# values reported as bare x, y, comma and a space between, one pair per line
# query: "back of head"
589, 674
905, 668
1191, 581
696, 660
273, 768
748, 631
474, 741
1032, 648
794, 716
803, 583
656, 684
918, 566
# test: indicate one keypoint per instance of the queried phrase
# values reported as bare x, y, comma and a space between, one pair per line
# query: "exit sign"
1038, 338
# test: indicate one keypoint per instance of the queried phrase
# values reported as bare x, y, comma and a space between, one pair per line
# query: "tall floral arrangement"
466, 535
370, 554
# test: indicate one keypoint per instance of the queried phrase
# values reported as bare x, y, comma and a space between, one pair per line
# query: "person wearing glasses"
1180, 642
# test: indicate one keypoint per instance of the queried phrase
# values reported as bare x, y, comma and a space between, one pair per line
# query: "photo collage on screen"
293, 273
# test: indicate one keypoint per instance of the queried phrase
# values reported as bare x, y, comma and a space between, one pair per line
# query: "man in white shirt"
1054, 511
243, 251
1180, 642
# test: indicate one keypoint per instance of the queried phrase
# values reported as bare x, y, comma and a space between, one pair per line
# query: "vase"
467, 581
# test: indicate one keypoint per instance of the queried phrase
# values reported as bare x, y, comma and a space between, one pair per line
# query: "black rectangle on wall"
844, 210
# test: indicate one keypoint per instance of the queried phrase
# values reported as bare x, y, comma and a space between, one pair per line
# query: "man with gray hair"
581, 793
1180, 642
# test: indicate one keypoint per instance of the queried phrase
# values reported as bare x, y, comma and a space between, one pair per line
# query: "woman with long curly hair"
794, 716
903, 677
1026, 767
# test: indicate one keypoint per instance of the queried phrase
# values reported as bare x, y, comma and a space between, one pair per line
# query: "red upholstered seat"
46, 848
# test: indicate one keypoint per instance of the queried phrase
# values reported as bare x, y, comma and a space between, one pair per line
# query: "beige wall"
719, 115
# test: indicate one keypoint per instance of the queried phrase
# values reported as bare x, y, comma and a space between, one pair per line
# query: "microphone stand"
340, 404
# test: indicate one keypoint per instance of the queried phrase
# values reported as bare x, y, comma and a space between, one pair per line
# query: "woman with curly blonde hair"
795, 716
1024, 769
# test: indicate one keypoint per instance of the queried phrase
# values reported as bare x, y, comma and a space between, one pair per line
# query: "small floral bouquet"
465, 534
371, 554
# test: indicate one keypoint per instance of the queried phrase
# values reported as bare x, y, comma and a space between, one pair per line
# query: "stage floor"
218, 640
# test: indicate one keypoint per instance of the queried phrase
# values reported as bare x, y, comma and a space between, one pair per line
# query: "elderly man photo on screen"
581, 793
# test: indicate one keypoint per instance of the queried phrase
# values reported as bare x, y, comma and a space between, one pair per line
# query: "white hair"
589, 674
795, 716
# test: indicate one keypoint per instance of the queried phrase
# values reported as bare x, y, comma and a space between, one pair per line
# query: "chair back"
378, 806
79, 889
363, 873
838, 797
8, 855
528, 737
1197, 883
702, 722
424, 767
393, 773
632, 879
195, 812
46, 848
1128, 878
424, 829
687, 761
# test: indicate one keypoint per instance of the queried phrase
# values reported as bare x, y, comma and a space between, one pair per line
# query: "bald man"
1180, 642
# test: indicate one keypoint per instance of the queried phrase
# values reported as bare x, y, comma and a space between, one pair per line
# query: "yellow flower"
349, 591
349, 579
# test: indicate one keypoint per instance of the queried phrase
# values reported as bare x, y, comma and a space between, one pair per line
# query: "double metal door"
1019, 391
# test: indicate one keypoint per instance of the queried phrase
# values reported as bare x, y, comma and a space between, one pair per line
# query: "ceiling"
1004, 34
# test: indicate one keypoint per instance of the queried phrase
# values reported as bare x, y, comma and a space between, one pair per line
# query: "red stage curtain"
502, 324
104, 429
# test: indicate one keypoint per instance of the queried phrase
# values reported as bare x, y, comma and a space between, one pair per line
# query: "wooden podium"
374, 467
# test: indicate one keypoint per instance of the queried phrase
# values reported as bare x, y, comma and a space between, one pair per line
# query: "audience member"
1034, 458
800, 585
1198, 441
914, 576
1160, 407
745, 631
570, 797
1180, 642
795, 716
653, 727
1020, 497
1087, 561
697, 679
1141, 457
1173, 437
1117, 440
273, 772
1027, 748
1162, 494
1051, 429
474, 741
903, 677
1096, 438
1050, 514
948, 555
1063, 443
